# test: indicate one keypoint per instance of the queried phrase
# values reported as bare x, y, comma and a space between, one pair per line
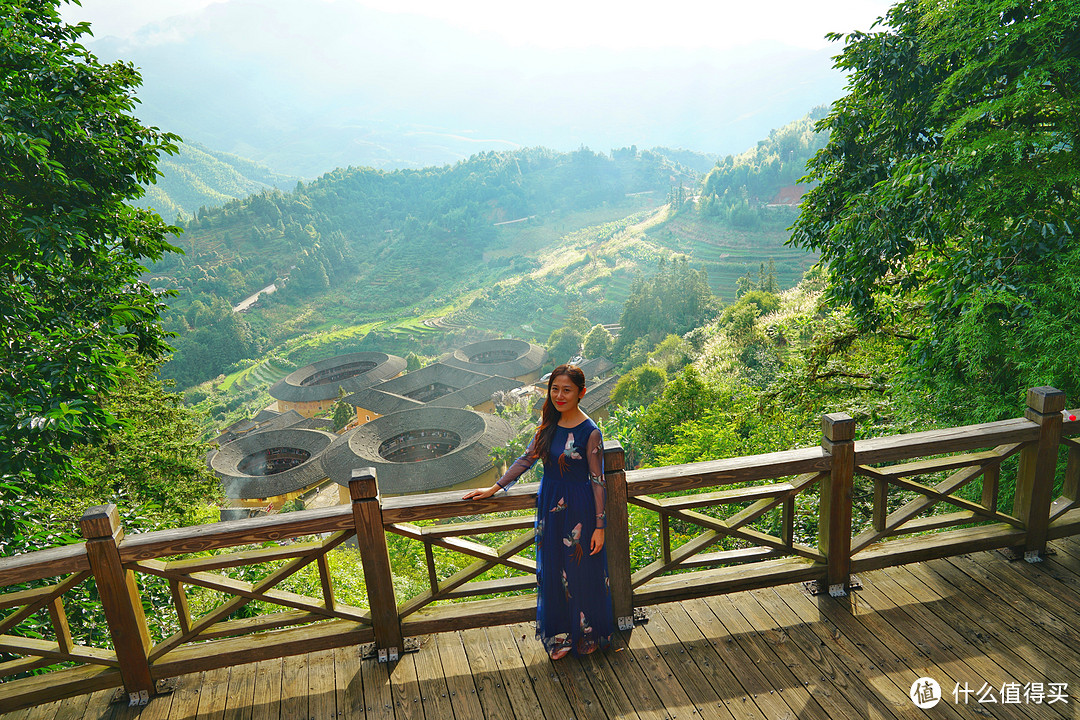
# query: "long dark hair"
549, 415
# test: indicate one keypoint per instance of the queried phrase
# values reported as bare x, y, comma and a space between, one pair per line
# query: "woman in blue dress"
573, 606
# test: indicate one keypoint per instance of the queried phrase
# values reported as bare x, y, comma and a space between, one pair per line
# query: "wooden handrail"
756, 519
231, 533
713, 473
17, 569
937, 442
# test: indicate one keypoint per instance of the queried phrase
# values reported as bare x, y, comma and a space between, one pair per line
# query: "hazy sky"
568, 23
304, 86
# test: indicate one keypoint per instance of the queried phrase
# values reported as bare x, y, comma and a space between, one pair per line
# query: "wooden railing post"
617, 535
1038, 465
371, 539
834, 525
120, 600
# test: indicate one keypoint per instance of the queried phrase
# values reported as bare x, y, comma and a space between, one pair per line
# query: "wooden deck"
772, 653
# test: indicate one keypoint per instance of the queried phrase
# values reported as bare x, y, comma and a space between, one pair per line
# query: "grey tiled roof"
595, 367
381, 402
226, 460
479, 433
293, 389
265, 420
477, 393
469, 388
315, 424
599, 394
523, 357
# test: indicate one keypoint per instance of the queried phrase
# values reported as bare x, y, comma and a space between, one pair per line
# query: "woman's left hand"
597, 543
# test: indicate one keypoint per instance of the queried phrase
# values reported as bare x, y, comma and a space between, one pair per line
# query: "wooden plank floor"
768, 654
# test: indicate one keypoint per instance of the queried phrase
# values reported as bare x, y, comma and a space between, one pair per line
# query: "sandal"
561, 650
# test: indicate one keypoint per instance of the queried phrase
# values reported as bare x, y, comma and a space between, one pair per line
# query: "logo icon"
925, 692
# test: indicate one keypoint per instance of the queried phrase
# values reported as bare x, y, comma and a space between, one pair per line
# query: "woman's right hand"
482, 494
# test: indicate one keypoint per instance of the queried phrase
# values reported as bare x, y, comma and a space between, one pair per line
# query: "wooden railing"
760, 507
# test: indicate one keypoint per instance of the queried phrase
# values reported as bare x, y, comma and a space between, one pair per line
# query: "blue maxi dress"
573, 606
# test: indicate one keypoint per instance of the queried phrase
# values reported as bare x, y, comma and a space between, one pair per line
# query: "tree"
343, 414
639, 386
598, 343
674, 300
563, 344
949, 185
152, 461
71, 304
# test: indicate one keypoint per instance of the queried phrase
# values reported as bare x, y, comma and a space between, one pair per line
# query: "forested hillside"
198, 177
358, 243
740, 188
379, 241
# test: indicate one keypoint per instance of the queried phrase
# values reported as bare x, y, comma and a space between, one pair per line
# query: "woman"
573, 606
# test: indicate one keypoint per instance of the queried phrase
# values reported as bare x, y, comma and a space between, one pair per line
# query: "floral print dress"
573, 607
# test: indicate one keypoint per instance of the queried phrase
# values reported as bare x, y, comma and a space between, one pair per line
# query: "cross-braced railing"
879, 502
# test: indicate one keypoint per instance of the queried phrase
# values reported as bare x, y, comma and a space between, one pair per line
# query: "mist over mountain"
303, 88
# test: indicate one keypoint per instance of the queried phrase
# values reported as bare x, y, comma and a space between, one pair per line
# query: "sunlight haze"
565, 23
304, 87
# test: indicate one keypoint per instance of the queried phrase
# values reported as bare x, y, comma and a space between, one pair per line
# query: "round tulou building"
421, 450
507, 358
316, 387
272, 467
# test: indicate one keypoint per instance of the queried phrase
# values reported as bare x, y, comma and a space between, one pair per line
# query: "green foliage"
343, 414
684, 399
73, 307
153, 462
740, 317
948, 188
517, 411
674, 300
563, 344
737, 189
422, 235
200, 177
671, 355
598, 343
639, 386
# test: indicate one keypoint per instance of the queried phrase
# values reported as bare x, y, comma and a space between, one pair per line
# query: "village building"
271, 420
598, 398
315, 388
421, 450
789, 195
441, 415
436, 385
505, 357
266, 469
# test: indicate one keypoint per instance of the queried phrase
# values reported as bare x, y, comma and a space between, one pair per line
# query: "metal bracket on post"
818, 587
370, 651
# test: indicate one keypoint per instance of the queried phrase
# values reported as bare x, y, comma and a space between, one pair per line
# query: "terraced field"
264, 374
726, 254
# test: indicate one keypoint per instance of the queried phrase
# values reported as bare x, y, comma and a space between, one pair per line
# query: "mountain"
362, 243
394, 90
198, 177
